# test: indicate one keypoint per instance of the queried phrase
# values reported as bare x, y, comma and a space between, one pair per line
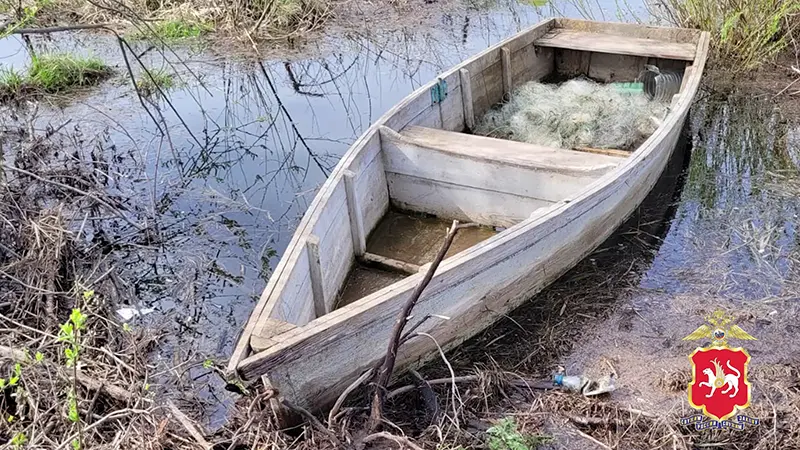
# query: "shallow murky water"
248, 143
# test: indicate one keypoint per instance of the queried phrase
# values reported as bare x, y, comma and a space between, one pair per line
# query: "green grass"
173, 30
52, 73
13, 85
11, 80
744, 34
60, 72
22, 16
161, 79
505, 436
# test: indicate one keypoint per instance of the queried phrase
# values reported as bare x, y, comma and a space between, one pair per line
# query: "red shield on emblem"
719, 381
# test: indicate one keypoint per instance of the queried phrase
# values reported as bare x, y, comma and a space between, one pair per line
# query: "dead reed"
174, 21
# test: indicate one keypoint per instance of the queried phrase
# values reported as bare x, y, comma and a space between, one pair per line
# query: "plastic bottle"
572, 383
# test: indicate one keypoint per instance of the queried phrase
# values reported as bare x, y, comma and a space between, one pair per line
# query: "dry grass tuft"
173, 21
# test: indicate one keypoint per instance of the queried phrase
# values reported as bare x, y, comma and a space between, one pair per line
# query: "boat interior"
384, 215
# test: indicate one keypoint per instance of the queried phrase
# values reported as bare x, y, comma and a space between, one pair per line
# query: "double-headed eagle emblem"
719, 331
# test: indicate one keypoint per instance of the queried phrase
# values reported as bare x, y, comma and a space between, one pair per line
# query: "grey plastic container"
659, 84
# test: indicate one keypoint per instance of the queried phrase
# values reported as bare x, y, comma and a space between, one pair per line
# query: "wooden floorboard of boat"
620, 45
410, 239
415, 239
362, 281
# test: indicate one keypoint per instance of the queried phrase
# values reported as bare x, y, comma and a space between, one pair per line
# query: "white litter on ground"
576, 113
130, 313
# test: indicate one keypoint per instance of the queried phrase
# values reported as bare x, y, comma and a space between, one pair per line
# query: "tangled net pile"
576, 113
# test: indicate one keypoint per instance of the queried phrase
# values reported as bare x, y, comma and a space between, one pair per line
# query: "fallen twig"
46, 30
190, 426
411, 387
340, 401
596, 421
387, 367
116, 392
312, 420
400, 440
593, 439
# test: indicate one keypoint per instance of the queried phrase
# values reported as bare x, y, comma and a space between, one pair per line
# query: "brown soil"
775, 80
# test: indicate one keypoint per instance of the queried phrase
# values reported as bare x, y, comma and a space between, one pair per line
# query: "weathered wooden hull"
314, 352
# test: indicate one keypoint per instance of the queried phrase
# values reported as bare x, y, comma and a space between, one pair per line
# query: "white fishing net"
576, 113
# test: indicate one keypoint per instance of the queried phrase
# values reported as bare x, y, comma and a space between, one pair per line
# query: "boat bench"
494, 182
508, 152
619, 45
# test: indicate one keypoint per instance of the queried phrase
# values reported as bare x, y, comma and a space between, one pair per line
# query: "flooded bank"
247, 143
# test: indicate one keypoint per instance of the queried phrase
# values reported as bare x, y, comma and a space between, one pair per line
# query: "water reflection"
736, 229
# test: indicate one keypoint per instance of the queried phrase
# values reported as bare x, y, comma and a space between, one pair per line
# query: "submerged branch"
76, 191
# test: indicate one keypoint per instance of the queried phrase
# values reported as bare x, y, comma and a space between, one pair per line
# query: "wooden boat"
327, 312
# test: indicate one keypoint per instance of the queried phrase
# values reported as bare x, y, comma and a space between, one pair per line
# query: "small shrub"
744, 34
70, 333
18, 441
505, 436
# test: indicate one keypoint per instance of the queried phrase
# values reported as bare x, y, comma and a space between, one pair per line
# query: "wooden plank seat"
503, 151
494, 182
620, 45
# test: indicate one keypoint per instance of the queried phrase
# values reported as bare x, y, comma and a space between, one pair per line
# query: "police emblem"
719, 386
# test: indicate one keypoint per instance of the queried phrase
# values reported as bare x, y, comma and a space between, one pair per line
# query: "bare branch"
387, 368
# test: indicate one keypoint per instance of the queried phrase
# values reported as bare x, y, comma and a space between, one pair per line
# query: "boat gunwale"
242, 355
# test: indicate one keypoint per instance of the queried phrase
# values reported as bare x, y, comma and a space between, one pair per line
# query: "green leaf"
69, 353
88, 295
126, 327
76, 444
66, 333
13, 381
730, 22
73, 410
19, 440
208, 363
2, 383
39, 357
77, 318
18, 369
505, 436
